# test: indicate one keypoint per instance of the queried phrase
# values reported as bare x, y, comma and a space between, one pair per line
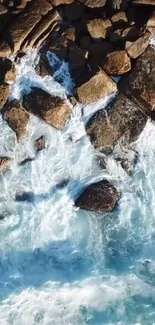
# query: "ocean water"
60, 265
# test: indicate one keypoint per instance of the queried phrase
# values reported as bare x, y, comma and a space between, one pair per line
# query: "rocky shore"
100, 40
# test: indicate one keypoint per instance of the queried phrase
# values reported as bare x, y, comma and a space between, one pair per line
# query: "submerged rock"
16, 117
99, 197
40, 143
5, 163
123, 121
53, 110
95, 87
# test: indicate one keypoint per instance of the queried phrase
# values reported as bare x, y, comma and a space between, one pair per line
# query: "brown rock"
135, 49
10, 70
98, 52
3, 9
60, 2
4, 93
140, 83
40, 143
5, 49
99, 197
93, 3
119, 20
24, 24
53, 110
99, 28
17, 118
5, 163
74, 10
144, 2
124, 120
95, 87
60, 47
120, 4
40, 33
117, 63
69, 33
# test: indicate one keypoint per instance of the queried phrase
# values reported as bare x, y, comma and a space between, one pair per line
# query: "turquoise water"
60, 265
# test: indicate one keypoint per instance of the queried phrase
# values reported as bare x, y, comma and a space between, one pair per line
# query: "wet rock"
99, 197
119, 20
4, 93
77, 60
40, 143
16, 117
99, 28
53, 110
123, 120
24, 196
135, 49
60, 47
93, 3
98, 52
74, 10
8, 70
24, 24
5, 163
69, 33
5, 49
121, 35
85, 42
140, 83
95, 87
117, 63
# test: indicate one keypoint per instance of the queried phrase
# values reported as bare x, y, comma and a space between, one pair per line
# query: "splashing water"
60, 265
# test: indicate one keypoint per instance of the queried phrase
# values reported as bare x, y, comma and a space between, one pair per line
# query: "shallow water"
60, 265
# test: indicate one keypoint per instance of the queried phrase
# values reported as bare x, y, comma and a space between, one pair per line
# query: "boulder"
3, 9
94, 87
69, 33
98, 52
26, 22
135, 49
117, 63
99, 28
53, 110
7, 70
5, 163
16, 117
144, 2
119, 20
123, 120
40, 143
120, 4
121, 35
5, 49
94, 3
74, 10
99, 197
140, 83
4, 93
85, 42
60, 2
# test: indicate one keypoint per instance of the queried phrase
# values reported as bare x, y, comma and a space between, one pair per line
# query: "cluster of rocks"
99, 39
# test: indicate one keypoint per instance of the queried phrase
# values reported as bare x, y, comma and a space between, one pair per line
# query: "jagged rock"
151, 24
119, 20
94, 3
39, 34
53, 110
4, 93
5, 49
5, 163
123, 120
99, 28
135, 49
3, 9
74, 10
117, 63
98, 52
140, 83
95, 87
99, 197
24, 24
40, 143
16, 117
